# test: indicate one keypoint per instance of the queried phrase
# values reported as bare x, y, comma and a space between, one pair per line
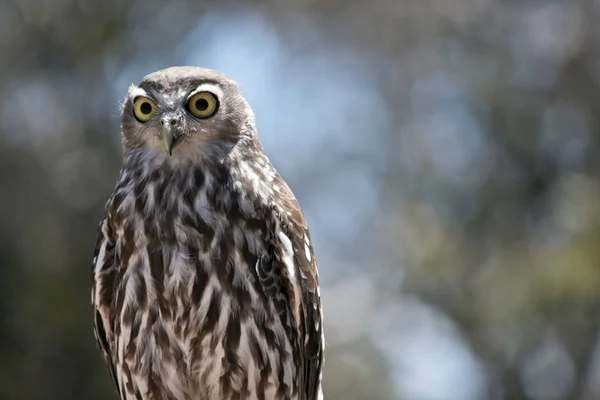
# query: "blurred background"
446, 154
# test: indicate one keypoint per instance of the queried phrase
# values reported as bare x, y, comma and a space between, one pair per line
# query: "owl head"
185, 111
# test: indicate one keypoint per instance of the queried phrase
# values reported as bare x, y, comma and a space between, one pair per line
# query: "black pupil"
201, 104
146, 108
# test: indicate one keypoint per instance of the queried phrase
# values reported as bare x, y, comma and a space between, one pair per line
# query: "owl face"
182, 110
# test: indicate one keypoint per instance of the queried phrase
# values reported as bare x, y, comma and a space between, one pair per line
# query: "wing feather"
102, 295
293, 225
311, 318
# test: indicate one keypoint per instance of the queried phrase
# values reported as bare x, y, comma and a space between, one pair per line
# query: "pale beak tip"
167, 137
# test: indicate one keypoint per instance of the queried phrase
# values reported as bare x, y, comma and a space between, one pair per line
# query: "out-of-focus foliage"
446, 153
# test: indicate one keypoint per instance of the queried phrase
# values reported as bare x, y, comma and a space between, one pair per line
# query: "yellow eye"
203, 104
144, 108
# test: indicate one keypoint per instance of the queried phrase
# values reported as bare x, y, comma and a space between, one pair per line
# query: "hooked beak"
170, 131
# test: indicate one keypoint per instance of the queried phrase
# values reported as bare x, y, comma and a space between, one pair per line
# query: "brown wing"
293, 225
102, 294
311, 318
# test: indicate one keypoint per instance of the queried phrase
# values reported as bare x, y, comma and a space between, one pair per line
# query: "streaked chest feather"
191, 321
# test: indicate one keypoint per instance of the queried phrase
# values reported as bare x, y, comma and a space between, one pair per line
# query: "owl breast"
191, 320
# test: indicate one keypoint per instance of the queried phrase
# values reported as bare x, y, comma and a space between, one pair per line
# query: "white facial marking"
207, 87
135, 91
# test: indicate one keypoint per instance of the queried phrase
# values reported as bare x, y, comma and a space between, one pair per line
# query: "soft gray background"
446, 154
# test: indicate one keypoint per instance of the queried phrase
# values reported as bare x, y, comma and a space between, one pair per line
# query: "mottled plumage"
205, 283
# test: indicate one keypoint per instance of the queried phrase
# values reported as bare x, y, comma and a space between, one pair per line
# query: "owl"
205, 284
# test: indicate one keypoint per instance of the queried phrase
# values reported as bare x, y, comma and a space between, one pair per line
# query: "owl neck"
158, 182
